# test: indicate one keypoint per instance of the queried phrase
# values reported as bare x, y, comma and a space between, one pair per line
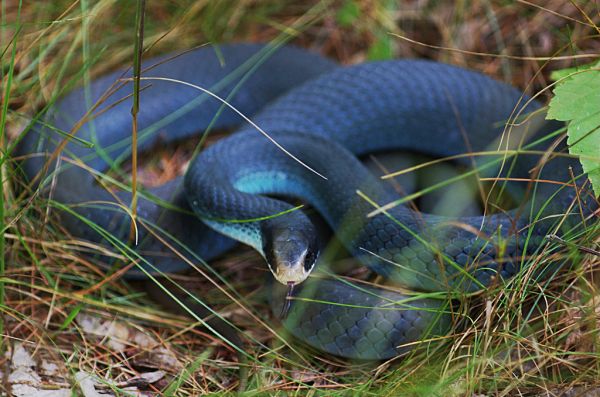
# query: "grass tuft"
525, 337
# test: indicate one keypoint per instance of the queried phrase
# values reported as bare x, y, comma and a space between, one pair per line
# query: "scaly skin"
327, 121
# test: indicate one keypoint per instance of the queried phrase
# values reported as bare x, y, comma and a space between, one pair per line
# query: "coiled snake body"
325, 115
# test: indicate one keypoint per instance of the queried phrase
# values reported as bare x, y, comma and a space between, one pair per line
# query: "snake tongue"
285, 309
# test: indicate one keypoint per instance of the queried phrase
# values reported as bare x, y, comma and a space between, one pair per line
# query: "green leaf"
71, 316
348, 13
563, 73
577, 102
381, 49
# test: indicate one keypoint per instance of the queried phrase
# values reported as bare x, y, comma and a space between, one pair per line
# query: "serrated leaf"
564, 73
577, 102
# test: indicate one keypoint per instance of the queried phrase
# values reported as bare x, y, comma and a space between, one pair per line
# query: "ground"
59, 309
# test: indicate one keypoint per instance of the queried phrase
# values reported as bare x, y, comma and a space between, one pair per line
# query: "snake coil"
325, 115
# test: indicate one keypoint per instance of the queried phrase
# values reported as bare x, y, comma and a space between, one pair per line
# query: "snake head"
291, 249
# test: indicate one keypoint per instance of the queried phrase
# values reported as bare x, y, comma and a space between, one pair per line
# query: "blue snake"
322, 116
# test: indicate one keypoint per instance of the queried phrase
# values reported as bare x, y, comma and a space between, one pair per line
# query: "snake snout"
291, 253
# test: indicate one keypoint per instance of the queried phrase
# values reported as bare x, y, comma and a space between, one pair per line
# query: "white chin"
286, 275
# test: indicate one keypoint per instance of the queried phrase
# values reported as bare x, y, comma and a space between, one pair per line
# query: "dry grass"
48, 282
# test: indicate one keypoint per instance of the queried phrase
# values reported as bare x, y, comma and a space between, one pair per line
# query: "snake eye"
311, 258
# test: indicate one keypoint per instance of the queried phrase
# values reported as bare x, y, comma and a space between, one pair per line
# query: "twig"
137, 65
556, 239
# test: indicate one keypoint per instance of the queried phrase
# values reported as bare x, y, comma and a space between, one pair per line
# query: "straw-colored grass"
526, 338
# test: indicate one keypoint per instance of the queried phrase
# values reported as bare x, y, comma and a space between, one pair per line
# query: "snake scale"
325, 115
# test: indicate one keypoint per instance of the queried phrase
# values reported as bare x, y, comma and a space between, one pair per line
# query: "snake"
301, 124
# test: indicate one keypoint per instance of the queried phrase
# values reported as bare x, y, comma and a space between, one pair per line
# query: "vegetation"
523, 338
576, 101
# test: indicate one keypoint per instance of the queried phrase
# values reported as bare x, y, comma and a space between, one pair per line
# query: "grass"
523, 338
